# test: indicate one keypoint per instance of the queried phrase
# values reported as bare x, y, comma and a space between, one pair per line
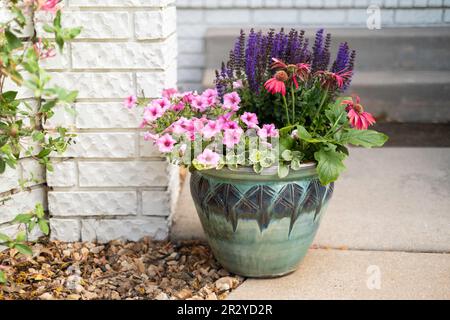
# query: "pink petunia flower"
150, 136
169, 93
164, 103
130, 101
250, 119
276, 84
358, 118
188, 97
178, 106
268, 130
231, 101
231, 137
211, 129
48, 5
165, 143
200, 104
153, 112
208, 158
233, 125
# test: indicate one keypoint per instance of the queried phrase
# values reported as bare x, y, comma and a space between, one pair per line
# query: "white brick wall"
196, 16
111, 184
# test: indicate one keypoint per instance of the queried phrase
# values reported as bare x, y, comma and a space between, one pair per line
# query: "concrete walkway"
388, 224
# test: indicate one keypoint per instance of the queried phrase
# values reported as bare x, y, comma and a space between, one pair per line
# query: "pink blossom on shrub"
250, 119
165, 143
208, 158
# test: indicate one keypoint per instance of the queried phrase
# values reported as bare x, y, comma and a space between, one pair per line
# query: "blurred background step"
386, 49
403, 74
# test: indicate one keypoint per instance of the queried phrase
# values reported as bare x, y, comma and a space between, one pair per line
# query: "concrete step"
405, 96
385, 49
387, 199
347, 274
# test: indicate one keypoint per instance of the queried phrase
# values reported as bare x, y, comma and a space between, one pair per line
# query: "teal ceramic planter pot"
259, 225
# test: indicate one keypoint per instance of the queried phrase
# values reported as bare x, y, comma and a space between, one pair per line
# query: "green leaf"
39, 210
336, 112
283, 170
48, 28
295, 164
2, 277
330, 165
2, 166
9, 95
4, 238
21, 236
287, 155
23, 218
306, 136
23, 249
43, 225
363, 138
12, 39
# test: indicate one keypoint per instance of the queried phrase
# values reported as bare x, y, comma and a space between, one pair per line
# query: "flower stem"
287, 112
324, 97
334, 125
293, 103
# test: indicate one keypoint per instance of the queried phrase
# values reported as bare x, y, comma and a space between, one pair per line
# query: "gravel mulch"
117, 270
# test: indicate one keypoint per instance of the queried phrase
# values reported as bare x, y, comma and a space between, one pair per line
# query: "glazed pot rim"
268, 174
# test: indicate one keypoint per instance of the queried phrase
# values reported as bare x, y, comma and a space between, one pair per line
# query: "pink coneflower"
276, 84
302, 72
231, 137
250, 119
208, 158
358, 118
268, 130
130, 101
231, 101
329, 79
165, 143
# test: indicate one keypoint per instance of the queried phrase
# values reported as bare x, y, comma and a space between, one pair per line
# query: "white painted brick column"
111, 184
